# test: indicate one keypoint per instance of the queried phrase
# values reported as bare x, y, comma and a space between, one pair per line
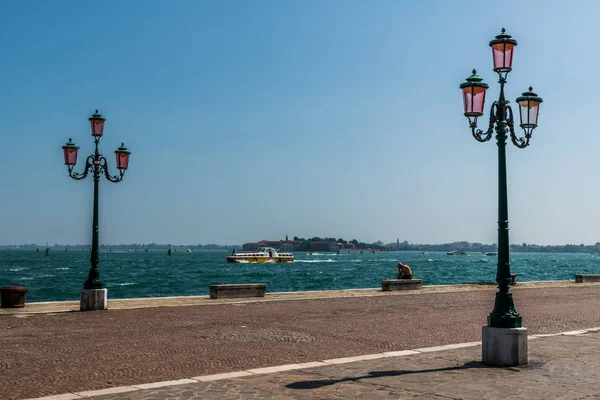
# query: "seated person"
404, 271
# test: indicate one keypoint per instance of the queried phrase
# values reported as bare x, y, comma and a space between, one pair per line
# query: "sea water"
60, 275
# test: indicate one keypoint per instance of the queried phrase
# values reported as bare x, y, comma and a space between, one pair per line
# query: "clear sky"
250, 120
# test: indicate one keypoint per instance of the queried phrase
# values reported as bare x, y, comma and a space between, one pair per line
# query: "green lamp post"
504, 314
97, 165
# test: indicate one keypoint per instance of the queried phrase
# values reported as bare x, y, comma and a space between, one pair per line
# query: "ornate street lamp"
93, 296
497, 343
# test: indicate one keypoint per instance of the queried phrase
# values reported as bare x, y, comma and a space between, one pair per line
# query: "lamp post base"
93, 299
504, 347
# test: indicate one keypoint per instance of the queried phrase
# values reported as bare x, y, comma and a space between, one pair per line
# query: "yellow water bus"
264, 254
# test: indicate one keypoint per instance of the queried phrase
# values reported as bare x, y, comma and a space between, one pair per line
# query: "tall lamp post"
93, 295
504, 339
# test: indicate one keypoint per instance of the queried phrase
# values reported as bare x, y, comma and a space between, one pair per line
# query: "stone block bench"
586, 278
237, 290
12, 296
401, 284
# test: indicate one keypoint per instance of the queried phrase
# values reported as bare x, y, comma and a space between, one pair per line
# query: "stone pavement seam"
287, 367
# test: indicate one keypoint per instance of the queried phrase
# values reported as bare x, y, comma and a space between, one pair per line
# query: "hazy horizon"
253, 120
240, 244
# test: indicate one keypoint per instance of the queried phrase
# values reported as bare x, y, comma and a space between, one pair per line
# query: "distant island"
484, 248
329, 244
332, 245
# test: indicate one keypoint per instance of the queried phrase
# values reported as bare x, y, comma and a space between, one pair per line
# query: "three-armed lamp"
93, 297
504, 332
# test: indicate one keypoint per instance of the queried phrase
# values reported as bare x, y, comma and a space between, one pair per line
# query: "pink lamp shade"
473, 91
70, 152
97, 124
502, 52
122, 155
503, 56
474, 101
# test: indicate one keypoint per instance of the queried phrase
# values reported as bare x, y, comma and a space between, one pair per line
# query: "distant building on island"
250, 246
289, 245
295, 245
325, 246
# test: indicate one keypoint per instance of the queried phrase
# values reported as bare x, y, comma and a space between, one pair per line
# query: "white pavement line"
592, 329
67, 396
287, 367
311, 364
113, 390
155, 385
400, 353
543, 335
345, 360
227, 375
447, 347
570, 333
270, 370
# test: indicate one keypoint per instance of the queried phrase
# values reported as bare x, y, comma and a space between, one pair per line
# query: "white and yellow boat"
264, 254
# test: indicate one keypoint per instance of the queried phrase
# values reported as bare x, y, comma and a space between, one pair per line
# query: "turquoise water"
128, 275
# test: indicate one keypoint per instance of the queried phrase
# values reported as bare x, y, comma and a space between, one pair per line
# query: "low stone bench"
12, 296
401, 284
237, 290
586, 278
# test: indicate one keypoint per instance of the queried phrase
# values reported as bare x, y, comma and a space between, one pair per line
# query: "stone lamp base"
93, 299
504, 347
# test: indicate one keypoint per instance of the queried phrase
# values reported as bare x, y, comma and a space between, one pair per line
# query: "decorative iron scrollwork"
480, 135
520, 142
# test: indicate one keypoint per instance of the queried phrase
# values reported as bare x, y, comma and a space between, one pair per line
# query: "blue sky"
253, 120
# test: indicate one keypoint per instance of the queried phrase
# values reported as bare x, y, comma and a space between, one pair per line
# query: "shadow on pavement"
378, 374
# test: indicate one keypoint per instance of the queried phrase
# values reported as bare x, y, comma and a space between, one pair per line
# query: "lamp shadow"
316, 384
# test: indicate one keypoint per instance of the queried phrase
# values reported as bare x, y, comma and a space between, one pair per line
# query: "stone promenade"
54, 353
560, 367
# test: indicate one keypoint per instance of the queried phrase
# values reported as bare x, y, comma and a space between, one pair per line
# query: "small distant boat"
188, 251
264, 254
128, 251
491, 254
457, 253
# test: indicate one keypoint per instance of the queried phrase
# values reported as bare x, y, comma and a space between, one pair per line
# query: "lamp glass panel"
503, 56
97, 126
474, 100
122, 160
70, 156
529, 112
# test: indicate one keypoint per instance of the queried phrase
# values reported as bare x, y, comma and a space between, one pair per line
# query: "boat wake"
315, 261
